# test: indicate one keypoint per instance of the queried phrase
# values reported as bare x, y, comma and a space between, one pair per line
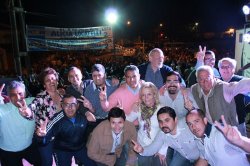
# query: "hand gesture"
162, 90
24, 110
231, 133
137, 147
201, 54
188, 104
90, 117
86, 103
41, 130
103, 94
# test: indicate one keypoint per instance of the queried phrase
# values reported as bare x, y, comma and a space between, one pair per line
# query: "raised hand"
162, 158
23, 109
1, 88
90, 117
231, 133
137, 147
41, 130
188, 104
201, 54
103, 94
86, 103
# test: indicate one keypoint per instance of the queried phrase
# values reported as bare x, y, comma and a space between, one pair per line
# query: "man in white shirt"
213, 146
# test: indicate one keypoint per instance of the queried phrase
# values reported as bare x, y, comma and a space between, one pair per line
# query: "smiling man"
108, 139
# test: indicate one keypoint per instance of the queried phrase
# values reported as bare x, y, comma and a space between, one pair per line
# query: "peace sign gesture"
103, 93
231, 133
137, 147
1, 88
41, 130
23, 109
201, 54
86, 103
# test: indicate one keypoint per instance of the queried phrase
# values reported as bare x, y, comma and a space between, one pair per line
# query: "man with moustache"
175, 134
175, 96
17, 127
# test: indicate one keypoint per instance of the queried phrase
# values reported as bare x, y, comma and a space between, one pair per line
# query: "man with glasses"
227, 68
204, 57
216, 97
68, 130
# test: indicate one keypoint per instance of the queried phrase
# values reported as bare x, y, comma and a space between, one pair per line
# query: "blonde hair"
153, 88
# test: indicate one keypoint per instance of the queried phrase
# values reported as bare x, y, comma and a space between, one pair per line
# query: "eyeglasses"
202, 80
226, 67
209, 59
172, 81
69, 105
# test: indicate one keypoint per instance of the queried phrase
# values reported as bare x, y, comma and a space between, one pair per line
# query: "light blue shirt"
16, 132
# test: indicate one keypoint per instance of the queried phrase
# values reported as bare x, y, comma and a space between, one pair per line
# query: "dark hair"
46, 72
167, 110
73, 68
174, 73
68, 96
131, 68
198, 111
98, 68
116, 112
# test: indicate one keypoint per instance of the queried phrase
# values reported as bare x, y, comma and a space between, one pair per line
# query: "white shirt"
183, 142
219, 152
116, 141
178, 103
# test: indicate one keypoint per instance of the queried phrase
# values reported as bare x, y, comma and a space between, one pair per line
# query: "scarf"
146, 114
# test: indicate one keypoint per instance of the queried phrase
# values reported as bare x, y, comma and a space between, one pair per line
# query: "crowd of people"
154, 114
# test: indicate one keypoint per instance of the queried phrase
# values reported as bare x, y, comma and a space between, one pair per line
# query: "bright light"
111, 15
161, 25
128, 22
246, 9
246, 37
196, 24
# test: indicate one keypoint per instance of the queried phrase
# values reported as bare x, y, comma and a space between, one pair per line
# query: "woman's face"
148, 97
50, 82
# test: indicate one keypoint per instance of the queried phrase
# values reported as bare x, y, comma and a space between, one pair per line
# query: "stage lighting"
246, 9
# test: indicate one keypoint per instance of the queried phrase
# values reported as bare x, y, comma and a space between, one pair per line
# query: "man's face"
132, 79
226, 70
70, 106
16, 95
209, 60
75, 77
196, 124
205, 81
148, 97
156, 59
117, 124
167, 123
98, 78
172, 84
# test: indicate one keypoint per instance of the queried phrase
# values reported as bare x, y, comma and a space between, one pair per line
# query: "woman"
146, 113
45, 105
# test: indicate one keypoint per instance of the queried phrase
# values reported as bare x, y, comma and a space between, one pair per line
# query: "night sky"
145, 15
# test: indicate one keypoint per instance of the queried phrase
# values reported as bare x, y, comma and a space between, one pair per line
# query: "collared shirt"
183, 142
134, 91
218, 151
116, 141
16, 132
154, 77
178, 103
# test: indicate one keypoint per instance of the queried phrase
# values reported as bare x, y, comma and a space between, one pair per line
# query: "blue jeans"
64, 158
148, 161
46, 153
174, 158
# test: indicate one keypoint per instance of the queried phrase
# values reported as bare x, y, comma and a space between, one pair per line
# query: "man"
213, 146
204, 57
215, 97
126, 95
155, 71
68, 129
17, 129
175, 96
227, 68
78, 86
93, 90
108, 139
174, 134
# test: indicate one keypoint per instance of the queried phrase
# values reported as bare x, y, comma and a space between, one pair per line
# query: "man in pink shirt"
126, 95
